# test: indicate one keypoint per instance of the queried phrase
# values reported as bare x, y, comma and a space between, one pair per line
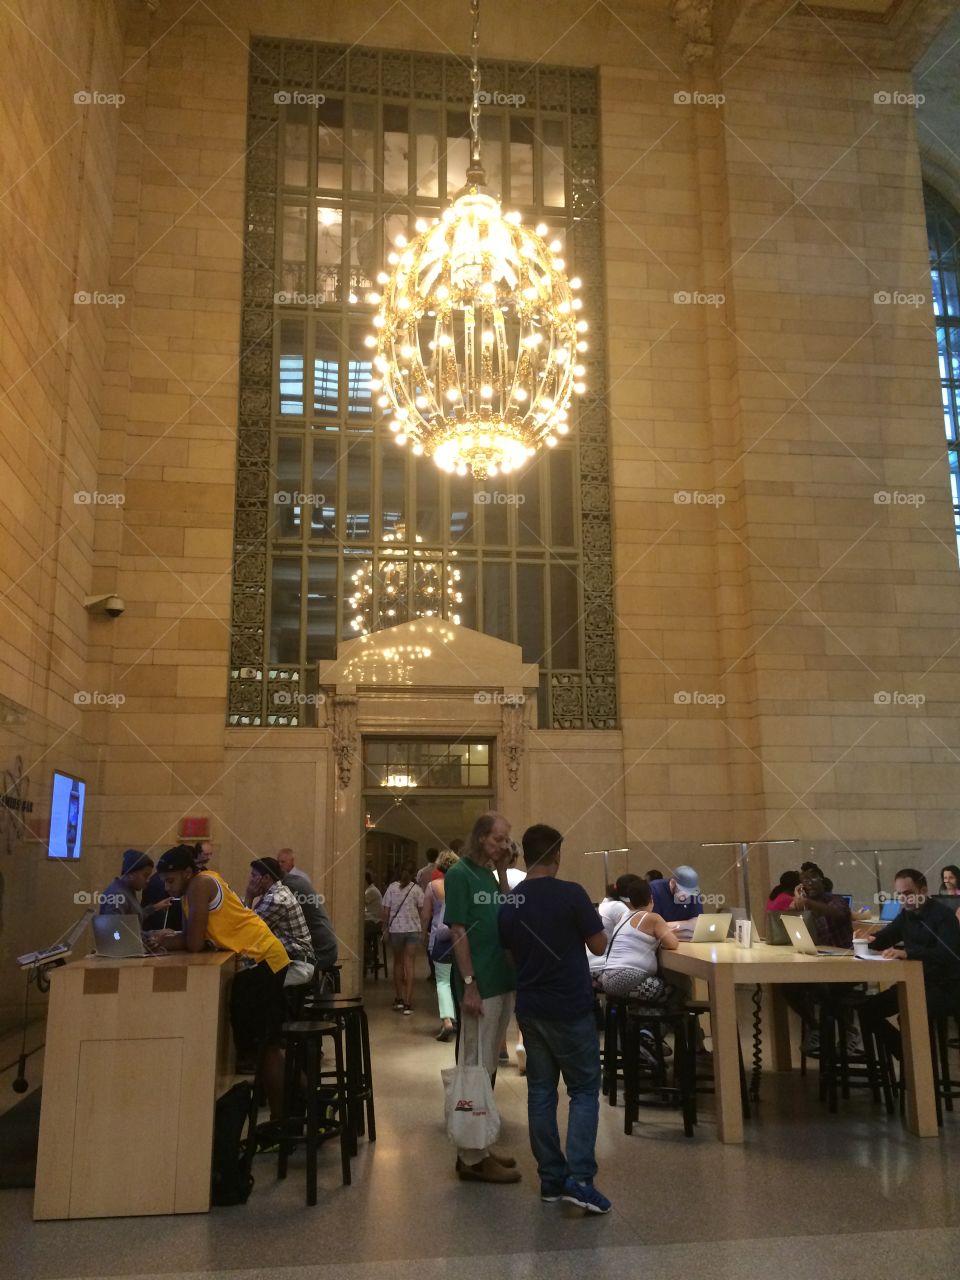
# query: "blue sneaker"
586, 1196
550, 1194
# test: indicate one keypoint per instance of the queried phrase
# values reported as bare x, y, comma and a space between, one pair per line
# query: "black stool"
302, 1041
349, 1014
614, 1032
375, 954
683, 1023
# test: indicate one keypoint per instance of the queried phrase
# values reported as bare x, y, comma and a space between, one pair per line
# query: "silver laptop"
118, 937
803, 943
712, 928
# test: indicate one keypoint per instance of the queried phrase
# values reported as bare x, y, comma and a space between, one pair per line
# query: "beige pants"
480, 1041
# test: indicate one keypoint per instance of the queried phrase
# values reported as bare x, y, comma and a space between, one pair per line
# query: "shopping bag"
473, 1121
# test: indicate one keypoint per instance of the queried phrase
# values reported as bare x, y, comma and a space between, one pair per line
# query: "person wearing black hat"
122, 895
214, 914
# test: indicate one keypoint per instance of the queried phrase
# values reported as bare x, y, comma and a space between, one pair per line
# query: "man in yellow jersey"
212, 912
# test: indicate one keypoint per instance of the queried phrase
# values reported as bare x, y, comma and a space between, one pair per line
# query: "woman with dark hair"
950, 881
631, 967
782, 894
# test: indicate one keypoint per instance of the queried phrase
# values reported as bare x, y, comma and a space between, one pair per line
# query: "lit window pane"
326, 372
530, 612
396, 171
491, 149
329, 252
293, 271
461, 509
528, 503
458, 150
285, 611
554, 168
296, 146
288, 483
564, 616
330, 144
490, 495
357, 521
427, 126
467, 586
561, 498
321, 609
323, 517
363, 117
393, 483
521, 160
496, 600
362, 257
427, 479
290, 378
359, 372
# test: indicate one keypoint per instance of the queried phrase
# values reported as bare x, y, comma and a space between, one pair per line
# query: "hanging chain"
475, 81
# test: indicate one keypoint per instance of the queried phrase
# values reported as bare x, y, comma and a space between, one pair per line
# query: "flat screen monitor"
67, 806
848, 899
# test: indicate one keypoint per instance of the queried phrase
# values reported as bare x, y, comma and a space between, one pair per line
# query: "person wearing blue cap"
679, 897
122, 895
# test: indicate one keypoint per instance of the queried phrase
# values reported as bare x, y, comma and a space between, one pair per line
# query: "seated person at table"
214, 914
827, 916
612, 910
925, 930
121, 896
322, 936
278, 907
679, 897
782, 894
630, 961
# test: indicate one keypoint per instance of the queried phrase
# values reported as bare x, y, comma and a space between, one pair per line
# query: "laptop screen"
890, 909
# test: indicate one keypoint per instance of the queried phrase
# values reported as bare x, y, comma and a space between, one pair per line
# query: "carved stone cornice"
694, 18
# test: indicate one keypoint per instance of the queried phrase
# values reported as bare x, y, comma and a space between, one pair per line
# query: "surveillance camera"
109, 604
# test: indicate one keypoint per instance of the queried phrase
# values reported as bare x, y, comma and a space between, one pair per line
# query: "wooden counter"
137, 1051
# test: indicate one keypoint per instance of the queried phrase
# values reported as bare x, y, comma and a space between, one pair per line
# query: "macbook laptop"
889, 910
803, 943
777, 935
118, 937
711, 928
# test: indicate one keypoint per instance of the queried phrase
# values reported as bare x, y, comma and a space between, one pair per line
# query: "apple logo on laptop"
116, 935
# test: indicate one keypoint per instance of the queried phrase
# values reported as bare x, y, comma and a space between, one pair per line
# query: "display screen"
66, 817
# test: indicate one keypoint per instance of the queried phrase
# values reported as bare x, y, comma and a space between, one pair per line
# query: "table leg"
726, 1060
782, 1056
921, 1107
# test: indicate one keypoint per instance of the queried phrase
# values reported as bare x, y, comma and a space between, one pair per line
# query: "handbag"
472, 1119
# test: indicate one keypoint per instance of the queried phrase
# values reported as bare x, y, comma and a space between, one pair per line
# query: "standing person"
322, 935
426, 872
546, 933
372, 906
278, 907
950, 881
483, 973
213, 912
439, 944
400, 916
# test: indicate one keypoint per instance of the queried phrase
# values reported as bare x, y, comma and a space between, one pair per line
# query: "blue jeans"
571, 1050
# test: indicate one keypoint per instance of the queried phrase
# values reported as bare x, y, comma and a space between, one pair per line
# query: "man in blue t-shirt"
544, 928
679, 897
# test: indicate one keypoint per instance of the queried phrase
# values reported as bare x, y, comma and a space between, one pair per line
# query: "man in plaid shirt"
279, 909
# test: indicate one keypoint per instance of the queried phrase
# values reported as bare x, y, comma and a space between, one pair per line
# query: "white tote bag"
473, 1121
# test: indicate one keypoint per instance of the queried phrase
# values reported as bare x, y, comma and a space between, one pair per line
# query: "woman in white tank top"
630, 965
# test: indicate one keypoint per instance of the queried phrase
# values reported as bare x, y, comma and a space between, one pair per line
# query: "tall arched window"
943, 233
338, 531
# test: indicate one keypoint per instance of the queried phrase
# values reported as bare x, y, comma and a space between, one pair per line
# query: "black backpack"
231, 1181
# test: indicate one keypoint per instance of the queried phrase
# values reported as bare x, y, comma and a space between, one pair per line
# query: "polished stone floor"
808, 1196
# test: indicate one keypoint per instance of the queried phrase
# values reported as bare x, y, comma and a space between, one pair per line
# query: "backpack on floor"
231, 1181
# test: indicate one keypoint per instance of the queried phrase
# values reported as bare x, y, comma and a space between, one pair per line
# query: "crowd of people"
278, 928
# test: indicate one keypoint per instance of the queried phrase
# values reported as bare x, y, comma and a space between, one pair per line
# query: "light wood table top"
763, 963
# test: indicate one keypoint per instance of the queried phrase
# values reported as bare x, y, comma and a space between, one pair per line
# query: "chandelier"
434, 588
478, 335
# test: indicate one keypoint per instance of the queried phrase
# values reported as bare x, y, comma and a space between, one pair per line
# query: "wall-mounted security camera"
112, 605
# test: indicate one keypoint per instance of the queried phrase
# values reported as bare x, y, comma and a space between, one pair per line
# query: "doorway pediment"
428, 653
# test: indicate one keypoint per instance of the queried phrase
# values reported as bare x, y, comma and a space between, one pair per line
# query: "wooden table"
726, 966
136, 1053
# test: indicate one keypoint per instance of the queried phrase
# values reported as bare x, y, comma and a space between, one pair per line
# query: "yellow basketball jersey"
233, 927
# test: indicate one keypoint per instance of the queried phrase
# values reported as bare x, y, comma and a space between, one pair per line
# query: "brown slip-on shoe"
507, 1162
488, 1170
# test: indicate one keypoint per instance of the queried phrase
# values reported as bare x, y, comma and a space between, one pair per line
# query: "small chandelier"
435, 588
478, 334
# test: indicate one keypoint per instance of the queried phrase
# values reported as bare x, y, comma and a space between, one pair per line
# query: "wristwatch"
468, 981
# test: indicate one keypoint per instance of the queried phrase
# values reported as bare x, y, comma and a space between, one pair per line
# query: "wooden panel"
101, 982
170, 979
114, 1170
